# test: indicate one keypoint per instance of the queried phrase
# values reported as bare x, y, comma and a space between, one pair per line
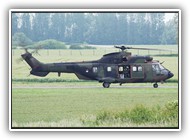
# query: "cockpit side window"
156, 68
161, 67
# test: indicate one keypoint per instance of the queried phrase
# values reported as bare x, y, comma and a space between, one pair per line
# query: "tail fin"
37, 67
32, 62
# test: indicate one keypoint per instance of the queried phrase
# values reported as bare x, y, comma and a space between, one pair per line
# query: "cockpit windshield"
157, 68
161, 67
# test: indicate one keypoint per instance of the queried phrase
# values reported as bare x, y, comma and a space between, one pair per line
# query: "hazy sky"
168, 16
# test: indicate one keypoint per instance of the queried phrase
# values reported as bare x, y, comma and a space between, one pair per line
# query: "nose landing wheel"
155, 85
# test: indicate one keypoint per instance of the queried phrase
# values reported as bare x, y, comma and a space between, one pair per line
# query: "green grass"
60, 80
55, 105
139, 115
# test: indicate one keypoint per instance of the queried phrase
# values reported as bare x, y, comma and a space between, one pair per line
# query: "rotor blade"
147, 49
126, 48
162, 62
121, 47
117, 47
24, 48
35, 51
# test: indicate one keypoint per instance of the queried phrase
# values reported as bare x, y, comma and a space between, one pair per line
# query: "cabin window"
122, 76
95, 69
87, 70
139, 68
134, 68
120, 69
108, 69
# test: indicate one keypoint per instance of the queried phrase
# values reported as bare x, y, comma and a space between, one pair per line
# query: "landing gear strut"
106, 85
155, 85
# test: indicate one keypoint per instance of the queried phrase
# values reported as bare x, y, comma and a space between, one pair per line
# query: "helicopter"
116, 67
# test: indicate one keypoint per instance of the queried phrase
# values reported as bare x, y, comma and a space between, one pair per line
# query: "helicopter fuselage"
111, 68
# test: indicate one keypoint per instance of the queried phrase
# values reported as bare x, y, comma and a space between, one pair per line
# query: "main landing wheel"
155, 85
106, 85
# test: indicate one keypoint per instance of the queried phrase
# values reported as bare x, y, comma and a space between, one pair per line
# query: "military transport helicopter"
117, 67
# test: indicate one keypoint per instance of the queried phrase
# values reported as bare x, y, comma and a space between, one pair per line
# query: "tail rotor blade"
26, 50
35, 51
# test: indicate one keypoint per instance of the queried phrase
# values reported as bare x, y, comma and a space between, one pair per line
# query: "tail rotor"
35, 51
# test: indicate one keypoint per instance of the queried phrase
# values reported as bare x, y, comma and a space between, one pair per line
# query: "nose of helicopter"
170, 75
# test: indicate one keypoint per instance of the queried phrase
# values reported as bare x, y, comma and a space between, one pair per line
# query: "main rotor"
123, 48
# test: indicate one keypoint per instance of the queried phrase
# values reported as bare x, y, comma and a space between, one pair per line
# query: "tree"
105, 28
26, 24
57, 26
170, 34
132, 28
176, 27
90, 22
97, 28
14, 23
40, 29
79, 25
122, 30
20, 39
157, 27
141, 35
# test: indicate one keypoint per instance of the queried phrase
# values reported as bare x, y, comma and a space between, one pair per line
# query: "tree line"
98, 28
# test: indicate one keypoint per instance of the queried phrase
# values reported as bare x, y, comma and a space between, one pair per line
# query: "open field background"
83, 107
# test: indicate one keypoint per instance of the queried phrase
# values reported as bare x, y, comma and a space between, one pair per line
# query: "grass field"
80, 107
55, 105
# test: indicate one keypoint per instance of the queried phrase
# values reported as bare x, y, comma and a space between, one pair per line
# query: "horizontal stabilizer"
41, 74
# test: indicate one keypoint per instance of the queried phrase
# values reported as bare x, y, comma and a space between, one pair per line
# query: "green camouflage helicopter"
118, 67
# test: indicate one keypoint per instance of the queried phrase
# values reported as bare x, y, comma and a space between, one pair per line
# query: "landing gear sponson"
107, 85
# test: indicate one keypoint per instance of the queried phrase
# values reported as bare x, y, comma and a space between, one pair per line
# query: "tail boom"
34, 64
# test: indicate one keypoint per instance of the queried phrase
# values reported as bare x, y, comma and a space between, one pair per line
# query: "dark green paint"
119, 67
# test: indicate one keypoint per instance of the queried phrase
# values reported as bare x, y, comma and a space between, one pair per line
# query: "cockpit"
160, 70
